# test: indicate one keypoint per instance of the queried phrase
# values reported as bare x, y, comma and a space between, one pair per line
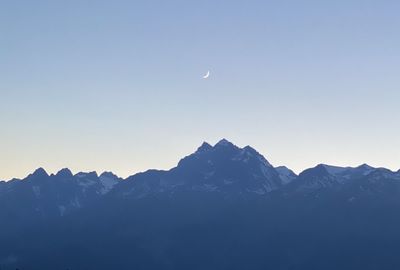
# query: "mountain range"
222, 207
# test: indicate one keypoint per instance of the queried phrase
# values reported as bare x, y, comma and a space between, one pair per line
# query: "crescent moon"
207, 75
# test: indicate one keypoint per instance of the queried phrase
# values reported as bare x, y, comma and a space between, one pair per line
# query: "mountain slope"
222, 207
41, 195
222, 168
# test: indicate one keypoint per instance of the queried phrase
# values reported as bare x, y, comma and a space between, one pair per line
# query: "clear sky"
117, 85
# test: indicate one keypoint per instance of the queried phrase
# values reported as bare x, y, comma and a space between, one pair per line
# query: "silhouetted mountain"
222, 207
223, 168
41, 195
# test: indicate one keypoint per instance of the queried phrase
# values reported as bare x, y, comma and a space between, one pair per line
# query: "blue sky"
117, 85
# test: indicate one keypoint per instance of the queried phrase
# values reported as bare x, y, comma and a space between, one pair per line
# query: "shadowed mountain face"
42, 196
224, 168
222, 207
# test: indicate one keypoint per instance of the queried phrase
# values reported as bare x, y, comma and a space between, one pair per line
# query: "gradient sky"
117, 85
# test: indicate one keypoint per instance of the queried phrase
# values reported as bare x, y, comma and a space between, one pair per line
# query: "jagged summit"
220, 186
205, 146
250, 150
109, 174
224, 142
64, 173
40, 172
228, 150
92, 173
221, 144
365, 166
223, 167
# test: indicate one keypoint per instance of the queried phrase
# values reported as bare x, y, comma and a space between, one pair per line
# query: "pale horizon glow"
127, 173
115, 86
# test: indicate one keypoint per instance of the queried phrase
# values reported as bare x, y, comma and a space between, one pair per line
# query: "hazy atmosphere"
118, 85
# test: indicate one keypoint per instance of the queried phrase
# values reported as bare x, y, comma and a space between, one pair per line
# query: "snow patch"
76, 203
268, 187
210, 187
258, 191
228, 182
108, 183
86, 183
207, 175
351, 199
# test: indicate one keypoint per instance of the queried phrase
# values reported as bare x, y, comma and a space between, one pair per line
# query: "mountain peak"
40, 172
204, 147
334, 169
64, 173
250, 150
365, 166
87, 174
109, 175
224, 143
319, 170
